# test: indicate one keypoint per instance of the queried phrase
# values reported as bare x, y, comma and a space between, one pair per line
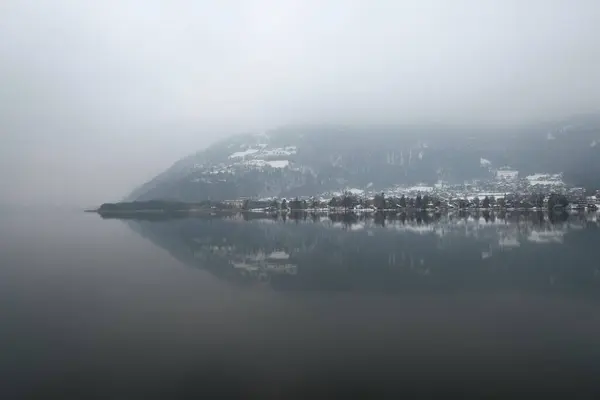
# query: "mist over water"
99, 98
298, 308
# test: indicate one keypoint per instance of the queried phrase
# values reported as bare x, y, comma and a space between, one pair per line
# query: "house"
234, 203
506, 174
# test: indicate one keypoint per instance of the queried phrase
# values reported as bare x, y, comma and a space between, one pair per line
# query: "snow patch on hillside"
272, 164
282, 151
545, 179
279, 255
355, 191
242, 154
278, 163
485, 162
420, 188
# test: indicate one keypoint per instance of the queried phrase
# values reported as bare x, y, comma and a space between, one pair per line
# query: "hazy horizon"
99, 98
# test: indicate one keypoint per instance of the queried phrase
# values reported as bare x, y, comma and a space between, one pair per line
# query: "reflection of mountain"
394, 253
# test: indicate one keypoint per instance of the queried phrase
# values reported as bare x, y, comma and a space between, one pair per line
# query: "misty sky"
97, 97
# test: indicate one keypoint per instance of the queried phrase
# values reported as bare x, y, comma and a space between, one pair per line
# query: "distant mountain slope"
308, 160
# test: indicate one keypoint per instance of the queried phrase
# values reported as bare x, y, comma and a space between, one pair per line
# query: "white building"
507, 174
543, 179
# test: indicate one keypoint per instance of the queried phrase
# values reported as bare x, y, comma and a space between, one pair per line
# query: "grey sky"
97, 97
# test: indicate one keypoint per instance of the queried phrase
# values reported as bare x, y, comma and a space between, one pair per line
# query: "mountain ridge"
309, 159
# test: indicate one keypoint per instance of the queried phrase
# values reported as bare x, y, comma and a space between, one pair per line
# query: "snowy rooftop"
545, 179
242, 154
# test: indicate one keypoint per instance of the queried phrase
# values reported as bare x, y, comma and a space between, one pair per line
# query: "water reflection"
389, 252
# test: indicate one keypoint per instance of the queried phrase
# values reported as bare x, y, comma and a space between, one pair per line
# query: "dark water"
500, 305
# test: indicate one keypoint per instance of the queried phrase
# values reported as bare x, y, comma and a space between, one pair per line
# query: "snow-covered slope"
308, 160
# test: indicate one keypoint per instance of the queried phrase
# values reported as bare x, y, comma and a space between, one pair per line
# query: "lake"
303, 307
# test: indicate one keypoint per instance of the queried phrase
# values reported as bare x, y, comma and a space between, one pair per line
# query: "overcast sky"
98, 96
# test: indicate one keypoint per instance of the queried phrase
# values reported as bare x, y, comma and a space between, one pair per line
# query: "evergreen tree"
562, 200
295, 204
391, 203
425, 202
275, 204
552, 202
557, 200
284, 205
486, 202
403, 201
418, 201
348, 201
379, 201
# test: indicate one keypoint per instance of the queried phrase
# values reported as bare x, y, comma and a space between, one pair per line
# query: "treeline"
161, 205
349, 201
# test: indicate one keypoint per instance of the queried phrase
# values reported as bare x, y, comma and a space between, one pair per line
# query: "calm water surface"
483, 304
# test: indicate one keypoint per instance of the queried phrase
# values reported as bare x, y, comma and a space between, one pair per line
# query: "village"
506, 191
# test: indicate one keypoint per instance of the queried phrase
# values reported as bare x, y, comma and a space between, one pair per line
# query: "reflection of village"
493, 233
263, 265
255, 265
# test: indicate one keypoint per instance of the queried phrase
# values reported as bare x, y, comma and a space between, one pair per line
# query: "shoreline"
331, 211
